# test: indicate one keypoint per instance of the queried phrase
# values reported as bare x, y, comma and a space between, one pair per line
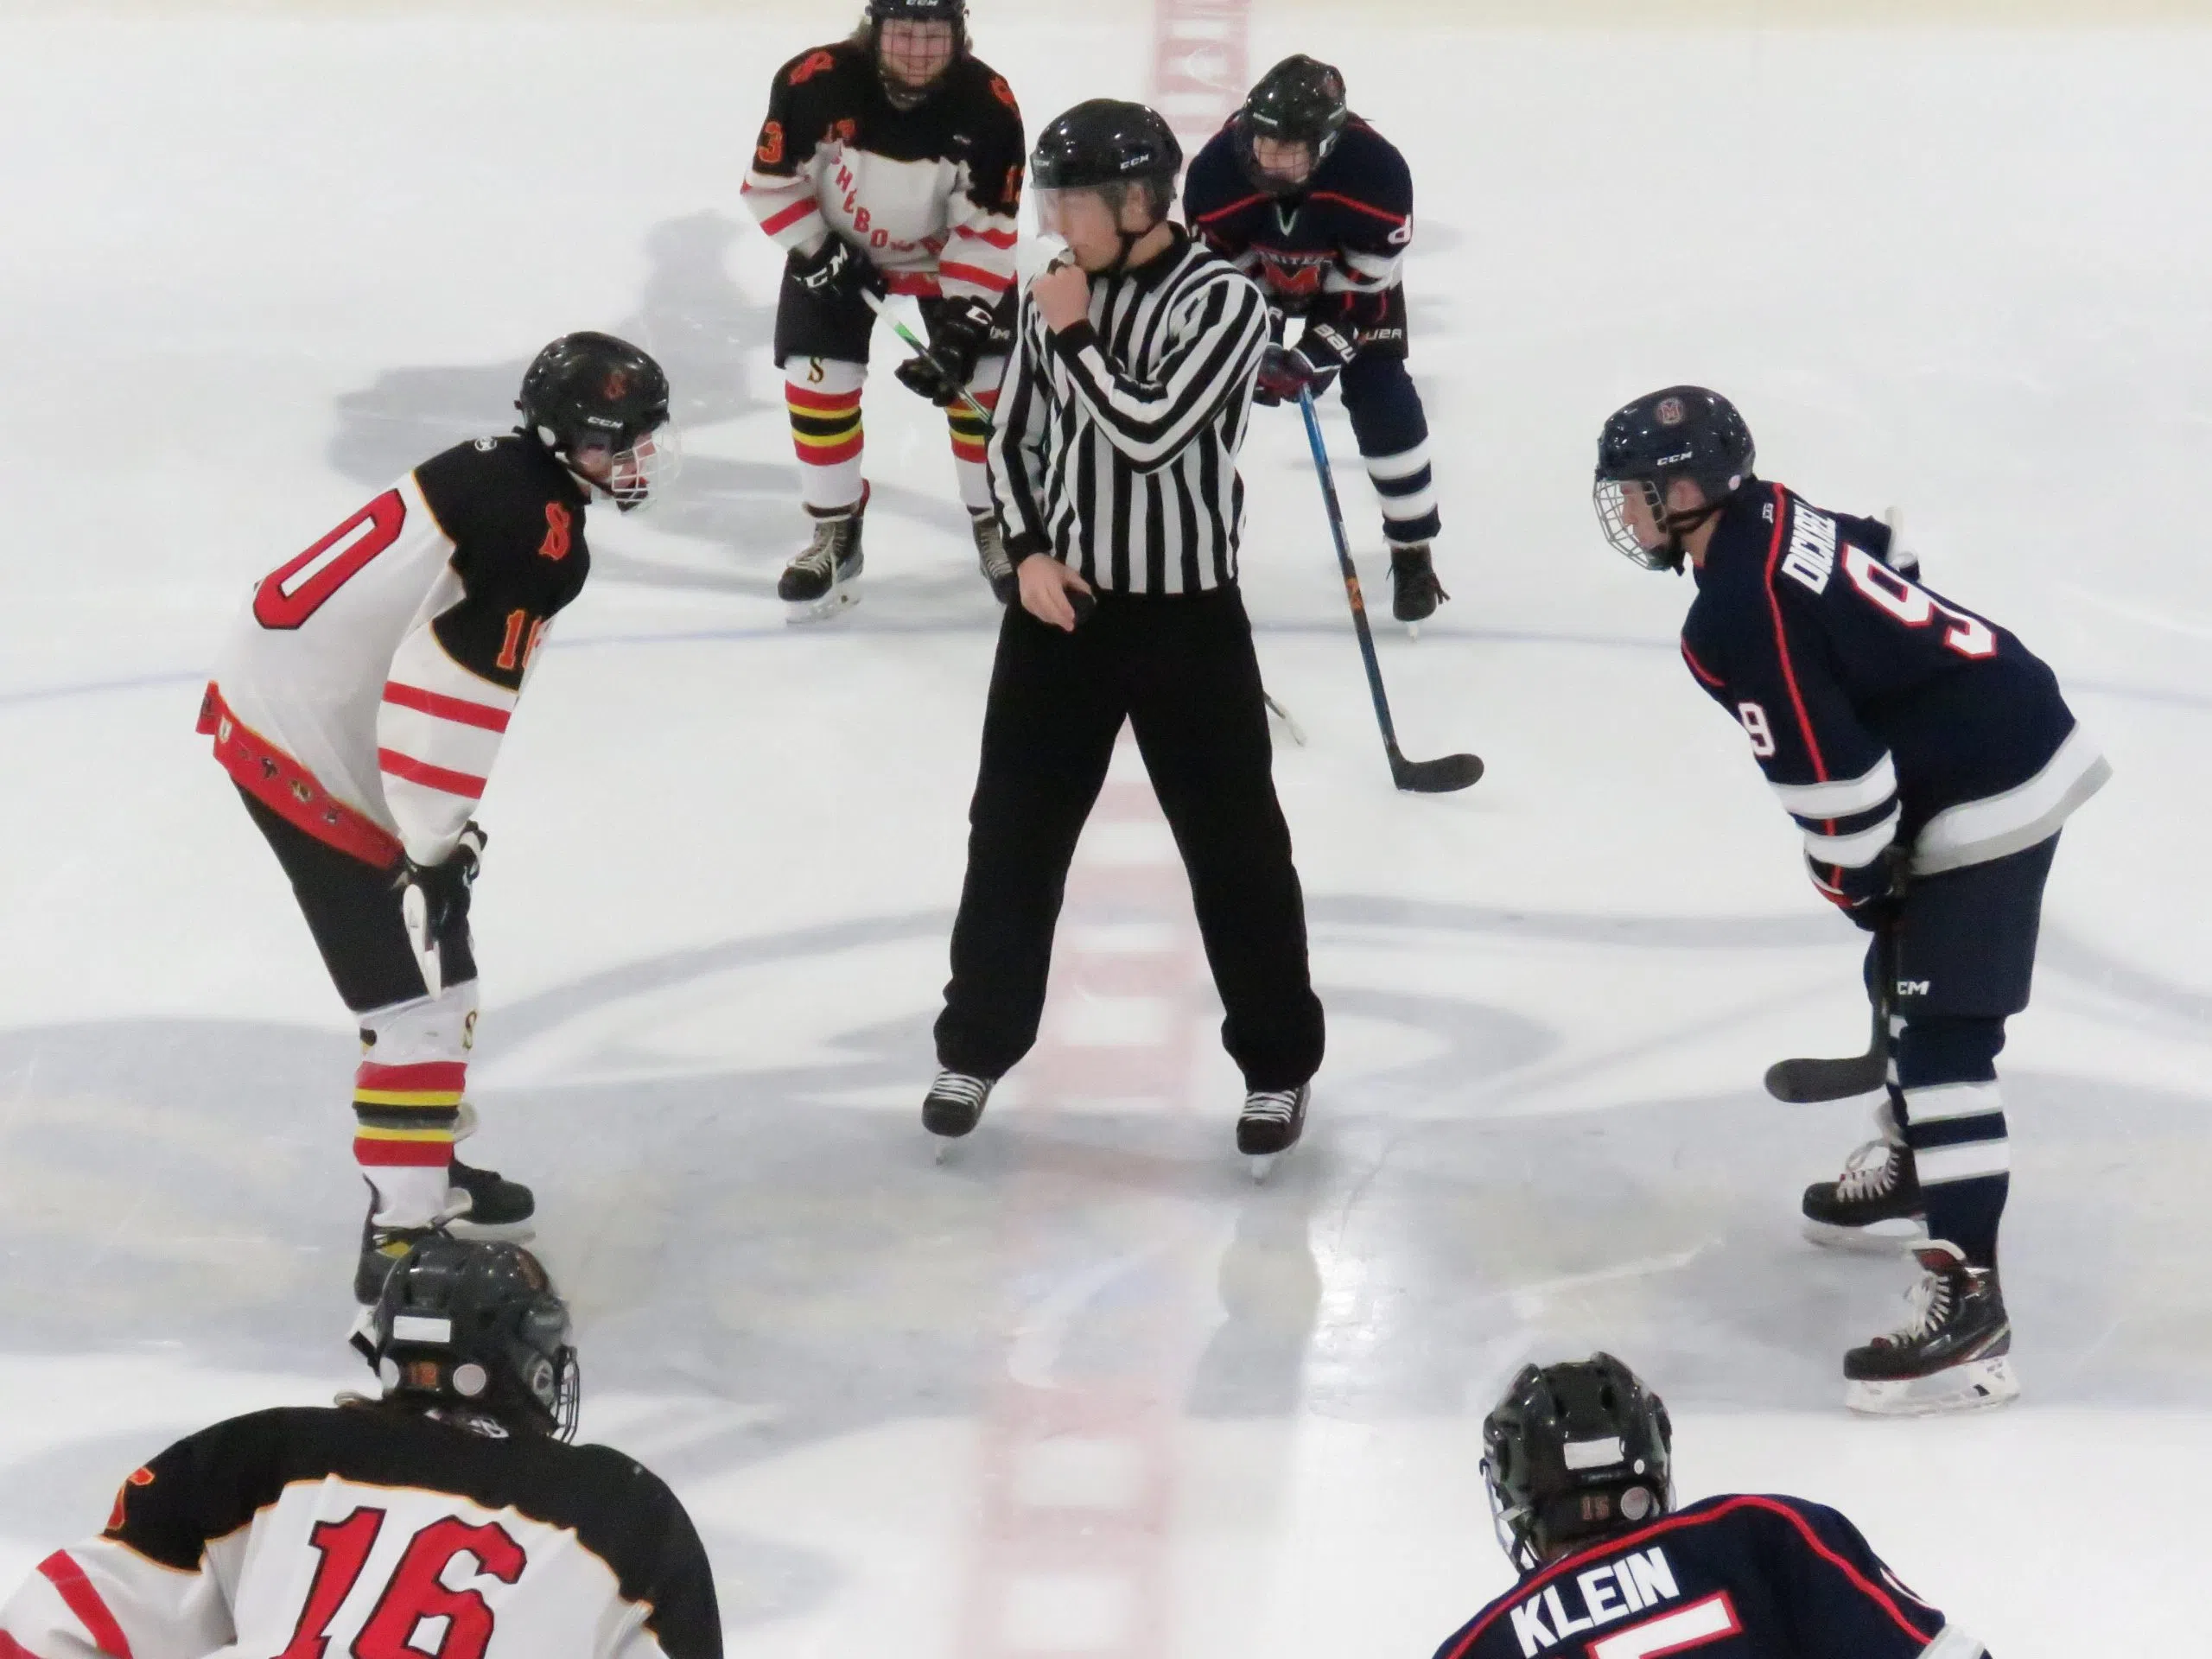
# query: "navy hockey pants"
1964, 955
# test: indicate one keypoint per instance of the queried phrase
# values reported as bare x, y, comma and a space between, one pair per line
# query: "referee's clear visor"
1096, 208
1632, 513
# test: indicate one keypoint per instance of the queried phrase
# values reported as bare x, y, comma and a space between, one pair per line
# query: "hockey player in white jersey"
891, 163
446, 1520
358, 706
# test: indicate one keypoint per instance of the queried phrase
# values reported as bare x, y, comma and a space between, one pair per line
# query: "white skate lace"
1870, 1173
819, 559
1272, 1105
1931, 1302
958, 1085
990, 547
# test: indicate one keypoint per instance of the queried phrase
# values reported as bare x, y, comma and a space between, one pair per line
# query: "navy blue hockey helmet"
1682, 432
1575, 1451
1301, 100
476, 1325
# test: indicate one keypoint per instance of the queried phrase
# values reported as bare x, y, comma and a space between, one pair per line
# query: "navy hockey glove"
1870, 894
836, 271
958, 332
1312, 365
444, 888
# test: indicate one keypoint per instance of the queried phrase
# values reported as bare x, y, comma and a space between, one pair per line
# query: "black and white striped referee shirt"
1116, 444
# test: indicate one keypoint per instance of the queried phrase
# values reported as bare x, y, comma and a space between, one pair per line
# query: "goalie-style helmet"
1301, 100
1573, 1453
590, 391
1683, 432
476, 1325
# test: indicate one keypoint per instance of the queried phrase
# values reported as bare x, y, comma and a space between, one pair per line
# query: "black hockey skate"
817, 584
1414, 591
1874, 1205
1272, 1122
990, 554
955, 1105
483, 1203
1955, 1355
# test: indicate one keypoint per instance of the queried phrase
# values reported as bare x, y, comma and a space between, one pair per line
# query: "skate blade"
1978, 1385
1262, 1166
1412, 633
502, 1232
943, 1151
827, 609
1893, 1238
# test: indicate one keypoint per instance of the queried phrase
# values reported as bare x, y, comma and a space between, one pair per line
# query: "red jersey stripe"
952, 272
408, 768
1700, 669
11, 1649
1565, 1564
776, 223
460, 710
1233, 207
1781, 634
997, 238
1358, 207
63, 1573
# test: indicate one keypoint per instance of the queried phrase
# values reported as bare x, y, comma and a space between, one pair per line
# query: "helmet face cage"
1610, 496
1301, 100
590, 392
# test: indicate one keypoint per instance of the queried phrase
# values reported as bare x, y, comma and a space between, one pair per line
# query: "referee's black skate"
990, 554
1414, 591
483, 1203
955, 1106
1955, 1355
1271, 1123
818, 584
1874, 1205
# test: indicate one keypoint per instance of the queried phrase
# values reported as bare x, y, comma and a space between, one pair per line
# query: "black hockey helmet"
1112, 147
880, 12
590, 391
1301, 100
475, 1324
1575, 1451
1683, 432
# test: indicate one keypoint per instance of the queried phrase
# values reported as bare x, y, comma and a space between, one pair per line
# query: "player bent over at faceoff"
1318, 207
359, 705
1115, 464
1577, 1458
890, 162
452, 1499
1929, 760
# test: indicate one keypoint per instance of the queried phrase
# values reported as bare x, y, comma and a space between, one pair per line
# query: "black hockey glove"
1870, 894
836, 271
958, 333
444, 888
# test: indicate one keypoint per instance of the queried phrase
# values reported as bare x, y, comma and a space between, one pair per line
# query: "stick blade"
1438, 777
1806, 1083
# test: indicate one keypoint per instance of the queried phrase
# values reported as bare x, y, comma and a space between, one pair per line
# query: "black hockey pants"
1179, 668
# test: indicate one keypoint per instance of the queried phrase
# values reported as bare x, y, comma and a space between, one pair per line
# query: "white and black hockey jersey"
928, 193
376, 1532
364, 693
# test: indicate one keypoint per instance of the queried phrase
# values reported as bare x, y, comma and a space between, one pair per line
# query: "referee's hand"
1045, 585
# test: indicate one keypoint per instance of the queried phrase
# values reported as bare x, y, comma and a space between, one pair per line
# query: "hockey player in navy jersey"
1317, 206
1578, 1460
1929, 760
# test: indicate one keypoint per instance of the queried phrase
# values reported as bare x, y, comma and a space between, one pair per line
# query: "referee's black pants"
1179, 668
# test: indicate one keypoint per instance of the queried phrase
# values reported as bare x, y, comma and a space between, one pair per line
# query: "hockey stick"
1806, 1083
1438, 777
882, 307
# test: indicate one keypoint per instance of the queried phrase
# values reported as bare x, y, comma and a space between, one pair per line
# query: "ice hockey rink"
1085, 1390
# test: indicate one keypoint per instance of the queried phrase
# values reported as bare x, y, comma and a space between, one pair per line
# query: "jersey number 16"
415, 1594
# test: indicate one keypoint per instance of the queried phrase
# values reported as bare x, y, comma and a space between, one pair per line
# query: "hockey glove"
836, 271
1870, 894
956, 335
441, 892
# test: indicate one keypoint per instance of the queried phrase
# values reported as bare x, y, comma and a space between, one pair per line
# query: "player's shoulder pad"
1369, 168
205, 1487
1214, 180
820, 63
987, 93
504, 490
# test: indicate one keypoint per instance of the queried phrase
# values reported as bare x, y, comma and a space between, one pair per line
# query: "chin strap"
1679, 524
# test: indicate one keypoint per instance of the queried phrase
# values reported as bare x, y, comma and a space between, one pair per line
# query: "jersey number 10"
414, 1592
294, 591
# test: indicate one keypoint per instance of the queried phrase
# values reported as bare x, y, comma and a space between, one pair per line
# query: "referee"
1115, 472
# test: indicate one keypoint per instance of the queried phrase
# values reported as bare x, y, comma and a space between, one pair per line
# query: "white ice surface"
253, 268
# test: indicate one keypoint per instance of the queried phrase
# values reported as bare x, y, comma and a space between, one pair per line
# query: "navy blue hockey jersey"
1335, 249
1880, 711
1733, 1577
